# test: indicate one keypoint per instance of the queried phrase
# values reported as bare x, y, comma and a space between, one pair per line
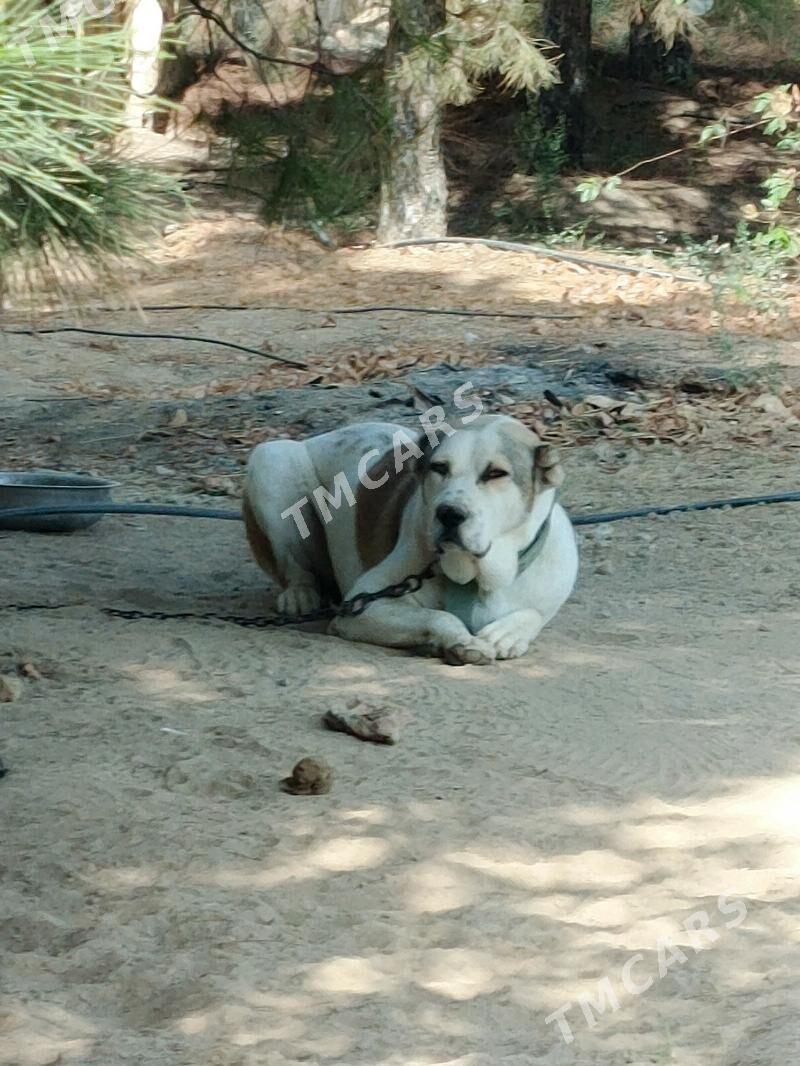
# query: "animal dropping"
310, 777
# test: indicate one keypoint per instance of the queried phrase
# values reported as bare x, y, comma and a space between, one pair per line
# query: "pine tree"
568, 24
659, 42
413, 186
438, 56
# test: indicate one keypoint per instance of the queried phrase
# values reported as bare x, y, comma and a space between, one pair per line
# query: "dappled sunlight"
625, 795
40, 1033
346, 853
434, 888
536, 671
537, 825
329, 1044
252, 1033
460, 973
292, 1002
500, 928
358, 672
164, 682
118, 878
349, 977
339, 855
570, 307
768, 805
354, 689
755, 808
602, 869
610, 912
369, 815
556, 905
422, 811
377, 681
194, 1024
583, 657
439, 1018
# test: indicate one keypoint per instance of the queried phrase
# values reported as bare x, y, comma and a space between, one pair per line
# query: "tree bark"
413, 186
649, 59
145, 20
568, 24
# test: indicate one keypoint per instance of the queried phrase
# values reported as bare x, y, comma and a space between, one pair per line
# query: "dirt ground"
541, 825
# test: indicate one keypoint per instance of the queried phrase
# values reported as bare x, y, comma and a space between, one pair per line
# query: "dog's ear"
456, 410
427, 447
548, 473
422, 400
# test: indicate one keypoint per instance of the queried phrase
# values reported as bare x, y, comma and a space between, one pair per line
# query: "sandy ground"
539, 825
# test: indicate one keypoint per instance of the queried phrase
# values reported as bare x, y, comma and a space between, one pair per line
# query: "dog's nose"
449, 516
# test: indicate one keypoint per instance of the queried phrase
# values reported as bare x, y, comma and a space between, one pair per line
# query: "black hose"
122, 508
159, 337
372, 309
235, 516
700, 505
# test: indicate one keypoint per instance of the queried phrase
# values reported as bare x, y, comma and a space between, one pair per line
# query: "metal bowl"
50, 488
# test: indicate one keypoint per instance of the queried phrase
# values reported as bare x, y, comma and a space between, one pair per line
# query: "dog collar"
534, 549
461, 600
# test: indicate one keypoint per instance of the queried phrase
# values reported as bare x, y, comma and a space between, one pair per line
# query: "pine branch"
211, 16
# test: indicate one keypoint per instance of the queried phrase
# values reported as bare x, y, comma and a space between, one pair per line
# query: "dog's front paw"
298, 599
472, 652
507, 637
455, 644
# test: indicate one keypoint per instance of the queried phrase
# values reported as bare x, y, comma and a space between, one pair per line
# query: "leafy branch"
719, 131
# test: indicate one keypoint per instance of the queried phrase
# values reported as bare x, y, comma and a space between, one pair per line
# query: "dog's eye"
439, 468
492, 473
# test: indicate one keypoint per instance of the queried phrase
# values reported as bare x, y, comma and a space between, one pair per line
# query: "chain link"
351, 608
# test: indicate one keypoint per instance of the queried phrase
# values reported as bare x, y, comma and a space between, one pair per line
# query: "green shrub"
318, 161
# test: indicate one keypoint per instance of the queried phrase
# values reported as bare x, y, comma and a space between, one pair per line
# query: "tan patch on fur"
315, 554
320, 556
260, 544
548, 467
379, 512
547, 472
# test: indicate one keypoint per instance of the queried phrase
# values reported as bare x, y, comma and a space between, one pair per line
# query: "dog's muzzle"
451, 520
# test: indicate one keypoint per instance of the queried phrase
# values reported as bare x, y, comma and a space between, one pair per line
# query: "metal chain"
356, 605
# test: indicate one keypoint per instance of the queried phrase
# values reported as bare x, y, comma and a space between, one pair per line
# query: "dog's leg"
512, 635
405, 625
412, 621
277, 476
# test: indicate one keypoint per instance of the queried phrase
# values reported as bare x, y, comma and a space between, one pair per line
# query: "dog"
365, 506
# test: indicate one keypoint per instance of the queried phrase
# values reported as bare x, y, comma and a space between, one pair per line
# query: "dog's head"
481, 482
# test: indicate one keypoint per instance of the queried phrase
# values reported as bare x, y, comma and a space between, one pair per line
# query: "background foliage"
68, 204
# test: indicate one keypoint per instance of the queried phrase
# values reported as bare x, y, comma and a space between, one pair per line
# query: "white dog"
365, 506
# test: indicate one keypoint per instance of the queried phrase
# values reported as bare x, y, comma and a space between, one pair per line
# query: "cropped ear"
548, 473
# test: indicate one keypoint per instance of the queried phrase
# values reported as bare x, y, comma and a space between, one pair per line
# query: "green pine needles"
69, 206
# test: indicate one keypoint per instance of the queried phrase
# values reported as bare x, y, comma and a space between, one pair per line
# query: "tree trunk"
413, 185
568, 24
145, 20
649, 59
